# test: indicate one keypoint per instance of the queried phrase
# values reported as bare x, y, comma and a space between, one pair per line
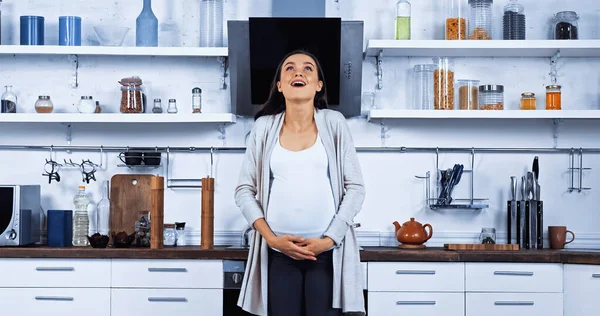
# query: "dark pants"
301, 287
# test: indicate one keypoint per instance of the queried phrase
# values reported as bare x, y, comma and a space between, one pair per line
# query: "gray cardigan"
252, 192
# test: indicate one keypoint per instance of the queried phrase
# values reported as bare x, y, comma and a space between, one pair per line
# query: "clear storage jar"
468, 94
211, 23
423, 86
456, 20
44, 104
443, 83
491, 97
480, 19
131, 95
513, 21
169, 235
566, 26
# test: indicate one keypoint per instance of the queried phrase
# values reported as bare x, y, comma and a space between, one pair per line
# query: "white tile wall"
393, 193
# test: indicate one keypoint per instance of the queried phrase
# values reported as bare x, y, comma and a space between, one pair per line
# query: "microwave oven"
20, 215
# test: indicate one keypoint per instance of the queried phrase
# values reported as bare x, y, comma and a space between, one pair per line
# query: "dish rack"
436, 203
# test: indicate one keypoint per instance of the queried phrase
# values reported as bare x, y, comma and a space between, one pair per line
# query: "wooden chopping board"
485, 247
129, 194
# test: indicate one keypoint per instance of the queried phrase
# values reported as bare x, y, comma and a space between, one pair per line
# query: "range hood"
256, 46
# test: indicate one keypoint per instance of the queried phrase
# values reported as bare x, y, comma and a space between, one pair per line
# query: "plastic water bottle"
81, 222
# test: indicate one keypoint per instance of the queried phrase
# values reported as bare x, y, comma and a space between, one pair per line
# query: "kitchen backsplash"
393, 191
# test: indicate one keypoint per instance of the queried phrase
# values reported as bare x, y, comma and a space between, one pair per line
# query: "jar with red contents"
132, 95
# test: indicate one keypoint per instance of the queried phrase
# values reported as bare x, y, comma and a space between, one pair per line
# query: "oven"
233, 274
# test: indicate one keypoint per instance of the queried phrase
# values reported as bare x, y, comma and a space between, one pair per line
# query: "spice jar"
456, 22
157, 106
480, 19
528, 101
553, 97
131, 95
44, 104
491, 97
169, 235
468, 94
196, 100
565, 25
172, 106
86, 104
180, 230
443, 83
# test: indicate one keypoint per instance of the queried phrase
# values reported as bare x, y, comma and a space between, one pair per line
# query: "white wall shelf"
493, 48
505, 114
114, 51
117, 118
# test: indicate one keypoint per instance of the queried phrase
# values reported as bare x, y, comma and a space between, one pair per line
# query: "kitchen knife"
523, 189
536, 173
513, 188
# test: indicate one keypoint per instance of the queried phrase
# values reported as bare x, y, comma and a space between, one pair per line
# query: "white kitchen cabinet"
514, 277
416, 276
582, 285
422, 304
161, 302
167, 273
55, 301
514, 304
55, 273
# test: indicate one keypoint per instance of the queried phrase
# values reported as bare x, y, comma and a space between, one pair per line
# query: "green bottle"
403, 20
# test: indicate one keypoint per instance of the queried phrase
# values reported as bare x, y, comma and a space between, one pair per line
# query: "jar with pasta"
132, 97
468, 94
491, 97
443, 83
480, 19
456, 21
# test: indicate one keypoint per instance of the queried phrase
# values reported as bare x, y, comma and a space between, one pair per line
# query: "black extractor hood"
256, 47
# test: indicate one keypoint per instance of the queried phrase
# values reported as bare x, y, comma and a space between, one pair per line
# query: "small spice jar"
196, 100
157, 106
44, 104
169, 235
528, 101
553, 97
180, 230
172, 106
491, 97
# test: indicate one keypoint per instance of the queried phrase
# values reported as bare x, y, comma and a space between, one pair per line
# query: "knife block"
525, 219
207, 214
157, 210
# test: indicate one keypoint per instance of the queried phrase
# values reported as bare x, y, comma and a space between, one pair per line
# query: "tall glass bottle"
403, 9
81, 222
146, 27
103, 211
168, 30
9, 101
211, 23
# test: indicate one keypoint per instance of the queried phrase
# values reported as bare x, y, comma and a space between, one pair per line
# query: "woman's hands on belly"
292, 247
317, 245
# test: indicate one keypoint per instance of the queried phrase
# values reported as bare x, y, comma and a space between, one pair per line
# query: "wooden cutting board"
486, 247
129, 194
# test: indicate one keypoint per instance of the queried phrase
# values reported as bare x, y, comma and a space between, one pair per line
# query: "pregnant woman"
300, 187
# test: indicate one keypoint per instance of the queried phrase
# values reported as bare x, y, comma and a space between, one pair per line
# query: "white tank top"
301, 201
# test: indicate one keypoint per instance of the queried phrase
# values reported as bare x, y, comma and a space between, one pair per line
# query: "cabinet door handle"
167, 270
415, 302
596, 275
427, 272
519, 273
168, 299
55, 269
54, 298
514, 303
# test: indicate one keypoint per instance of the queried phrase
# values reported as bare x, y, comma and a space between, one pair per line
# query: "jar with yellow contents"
553, 97
528, 101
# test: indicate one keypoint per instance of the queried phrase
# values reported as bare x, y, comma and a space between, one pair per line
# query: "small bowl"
98, 241
111, 35
122, 240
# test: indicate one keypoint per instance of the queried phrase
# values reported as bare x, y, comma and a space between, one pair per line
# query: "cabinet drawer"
73, 273
422, 304
58, 301
514, 277
514, 304
582, 285
186, 274
416, 276
161, 302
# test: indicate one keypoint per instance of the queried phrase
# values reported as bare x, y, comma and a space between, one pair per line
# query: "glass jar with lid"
131, 95
553, 97
491, 97
565, 25
456, 20
528, 101
443, 83
196, 100
86, 104
423, 86
44, 104
480, 19
169, 235
513, 21
468, 94
157, 106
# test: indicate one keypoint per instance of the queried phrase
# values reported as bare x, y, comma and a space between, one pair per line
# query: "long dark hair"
276, 102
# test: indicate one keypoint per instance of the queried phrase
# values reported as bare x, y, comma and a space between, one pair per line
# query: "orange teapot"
413, 233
